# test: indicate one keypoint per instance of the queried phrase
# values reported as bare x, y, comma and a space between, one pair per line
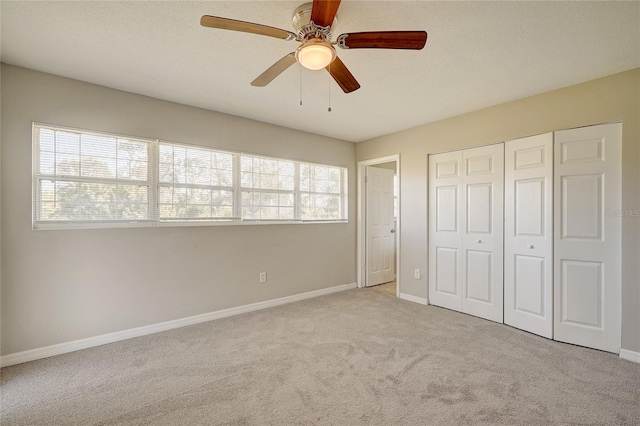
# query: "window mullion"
37, 199
80, 156
237, 187
55, 171
196, 186
153, 168
271, 191
344, 194
88, 179
297, 198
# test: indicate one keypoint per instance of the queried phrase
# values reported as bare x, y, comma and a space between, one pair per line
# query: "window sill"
43, 226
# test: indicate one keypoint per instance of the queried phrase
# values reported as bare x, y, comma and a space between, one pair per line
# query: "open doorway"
379, 224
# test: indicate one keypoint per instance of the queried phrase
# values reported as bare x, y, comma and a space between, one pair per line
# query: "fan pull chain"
329, 109
300, 67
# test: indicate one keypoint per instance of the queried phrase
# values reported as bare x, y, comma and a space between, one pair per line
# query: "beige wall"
612, 98
63, 285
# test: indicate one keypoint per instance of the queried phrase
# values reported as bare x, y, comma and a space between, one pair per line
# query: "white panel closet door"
528, 238
445, 230
379, 221
482, 218
587, 265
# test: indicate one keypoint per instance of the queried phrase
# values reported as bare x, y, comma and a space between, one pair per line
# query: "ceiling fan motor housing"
307, 29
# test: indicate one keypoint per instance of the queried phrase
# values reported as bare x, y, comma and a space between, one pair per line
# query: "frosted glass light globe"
315, 54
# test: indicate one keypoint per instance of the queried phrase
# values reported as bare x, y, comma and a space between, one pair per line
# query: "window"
321, 192
267, 188
194, 183
90, 178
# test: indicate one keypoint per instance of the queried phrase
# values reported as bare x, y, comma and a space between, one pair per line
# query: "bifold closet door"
587, 236
465, 231
482, 242
528, 234
445, 230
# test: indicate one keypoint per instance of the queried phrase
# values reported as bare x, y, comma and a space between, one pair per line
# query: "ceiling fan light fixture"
315, 54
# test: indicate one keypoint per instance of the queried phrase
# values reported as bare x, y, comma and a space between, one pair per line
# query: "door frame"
361, 218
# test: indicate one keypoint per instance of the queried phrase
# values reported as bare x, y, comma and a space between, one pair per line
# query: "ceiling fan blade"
414, 40
246, 27
274, 70
324, 11
342, 76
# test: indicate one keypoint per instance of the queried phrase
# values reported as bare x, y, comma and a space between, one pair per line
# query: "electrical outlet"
263, 277
416, 274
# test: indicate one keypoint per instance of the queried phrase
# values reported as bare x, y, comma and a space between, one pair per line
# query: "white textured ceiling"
478, 54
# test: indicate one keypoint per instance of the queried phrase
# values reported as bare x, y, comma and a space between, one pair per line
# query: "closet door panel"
478, 275
446, 268
587, 236
482, 242
445, 230
528, 238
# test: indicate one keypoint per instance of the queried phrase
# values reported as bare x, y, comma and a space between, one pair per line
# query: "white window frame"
301, 192
37, 178
292, 192
154, 187
232, 188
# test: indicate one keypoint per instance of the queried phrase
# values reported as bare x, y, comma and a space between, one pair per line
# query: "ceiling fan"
313, 22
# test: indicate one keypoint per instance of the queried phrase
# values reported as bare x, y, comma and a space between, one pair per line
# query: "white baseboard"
630, 355
61, 348
415, 299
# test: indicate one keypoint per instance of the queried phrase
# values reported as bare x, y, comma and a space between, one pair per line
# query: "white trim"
47, 226
630, 355
398, 227
414, 299
361, 243
89, 342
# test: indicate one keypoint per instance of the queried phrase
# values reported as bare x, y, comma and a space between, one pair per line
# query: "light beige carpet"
351, 358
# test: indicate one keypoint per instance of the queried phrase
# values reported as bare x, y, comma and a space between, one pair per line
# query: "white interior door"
528, 234
587, 234
379, 226
445, 230
482, 204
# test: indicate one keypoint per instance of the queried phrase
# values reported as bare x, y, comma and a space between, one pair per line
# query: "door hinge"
366, 179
